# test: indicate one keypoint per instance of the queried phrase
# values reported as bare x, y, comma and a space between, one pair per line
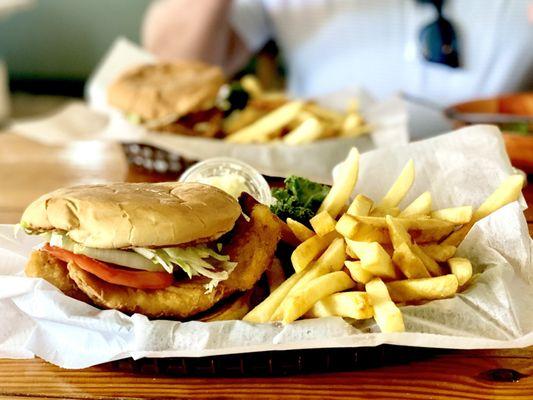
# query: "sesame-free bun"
122, 215
166, 90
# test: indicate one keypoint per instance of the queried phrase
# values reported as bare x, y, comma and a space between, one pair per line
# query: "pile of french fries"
367, 259
272, 116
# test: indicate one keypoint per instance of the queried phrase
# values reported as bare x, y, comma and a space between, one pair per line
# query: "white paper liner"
459, 168
314, 160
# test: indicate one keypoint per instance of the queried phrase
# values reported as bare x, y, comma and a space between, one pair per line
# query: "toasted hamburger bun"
166, 91
123, 215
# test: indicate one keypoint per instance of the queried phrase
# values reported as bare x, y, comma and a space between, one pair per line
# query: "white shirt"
374, 45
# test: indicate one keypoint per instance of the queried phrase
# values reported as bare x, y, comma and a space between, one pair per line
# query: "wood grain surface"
28, 169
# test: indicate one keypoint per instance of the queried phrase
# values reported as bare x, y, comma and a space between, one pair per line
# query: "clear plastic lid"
230, 175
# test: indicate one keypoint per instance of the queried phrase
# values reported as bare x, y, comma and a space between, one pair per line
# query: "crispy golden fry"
343, 185
346, 304
409, 223
410, 290
431, 235
508, 191
252, 247
324, 113
264, 310
357, 272
398, 233
310, 249
238, 119
268, 125
461, 268
347, 226
431, 265
380, 211
301, 231
420, 206
400, 187
374, 259
361, 205
455, 215
323, 223
330, 261
387, 315
319, 288
275, 274
354, 125
368, 233
306, 132
409, 263
439, 252
251, 84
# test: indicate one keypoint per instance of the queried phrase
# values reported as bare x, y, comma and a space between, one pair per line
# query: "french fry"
379, 211
409, 290
238, 119
461, 268
299, 230
420, 206
264, 310
387, 315
361, 205
275, 274
374, 258
323, 223
439, 252
331, 261
400, 187
267, 125
431, 265
357, 272
251, 84
508, 191
347, 225
319, 288
324, 113
346, 304
431, 235
368, 233
342, 186
455, 215
409, 223
398, 233
306, 132
411, 266
307, 251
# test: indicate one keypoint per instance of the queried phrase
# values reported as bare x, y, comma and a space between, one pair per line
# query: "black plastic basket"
279, 363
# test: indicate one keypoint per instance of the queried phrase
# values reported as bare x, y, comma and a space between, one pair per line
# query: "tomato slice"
134, 279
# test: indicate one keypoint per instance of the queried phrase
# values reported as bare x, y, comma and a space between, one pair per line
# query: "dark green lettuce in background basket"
299, 200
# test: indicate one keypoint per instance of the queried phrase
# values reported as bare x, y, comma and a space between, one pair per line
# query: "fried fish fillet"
252, 246
43, 265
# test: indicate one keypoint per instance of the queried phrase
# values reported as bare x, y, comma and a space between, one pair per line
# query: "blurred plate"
512, 113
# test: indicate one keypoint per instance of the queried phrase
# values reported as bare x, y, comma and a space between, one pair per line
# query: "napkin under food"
314, 160
459, 168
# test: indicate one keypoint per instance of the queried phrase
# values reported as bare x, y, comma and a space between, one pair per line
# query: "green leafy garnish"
299, 200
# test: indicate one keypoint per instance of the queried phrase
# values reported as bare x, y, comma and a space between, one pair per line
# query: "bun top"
166, 90
123, 215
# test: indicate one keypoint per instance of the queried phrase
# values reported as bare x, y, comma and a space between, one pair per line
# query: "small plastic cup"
253, 182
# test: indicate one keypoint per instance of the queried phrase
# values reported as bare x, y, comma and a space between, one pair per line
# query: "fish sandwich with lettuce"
161, 249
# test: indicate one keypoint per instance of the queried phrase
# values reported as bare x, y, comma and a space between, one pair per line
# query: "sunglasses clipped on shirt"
438, 39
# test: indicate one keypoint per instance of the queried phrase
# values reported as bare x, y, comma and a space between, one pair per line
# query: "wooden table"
28, 169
